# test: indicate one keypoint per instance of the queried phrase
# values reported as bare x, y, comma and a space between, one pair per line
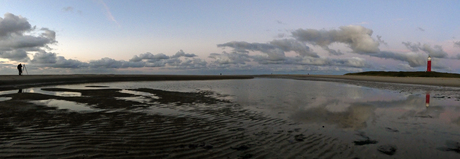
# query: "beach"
279, 116
15, 82
433, 81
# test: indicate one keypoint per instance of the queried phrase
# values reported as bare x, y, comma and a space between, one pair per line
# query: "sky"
228, 37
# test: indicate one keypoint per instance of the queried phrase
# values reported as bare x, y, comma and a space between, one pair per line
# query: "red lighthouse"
428, 67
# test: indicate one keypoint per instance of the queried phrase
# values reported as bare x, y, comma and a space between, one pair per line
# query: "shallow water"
67, 105
416, 123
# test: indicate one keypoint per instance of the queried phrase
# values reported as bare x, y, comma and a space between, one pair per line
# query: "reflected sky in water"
391, 116
67, 105
344, 106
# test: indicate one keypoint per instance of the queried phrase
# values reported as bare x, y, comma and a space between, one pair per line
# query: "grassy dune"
406, 74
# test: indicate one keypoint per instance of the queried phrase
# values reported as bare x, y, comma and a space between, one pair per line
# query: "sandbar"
8, 82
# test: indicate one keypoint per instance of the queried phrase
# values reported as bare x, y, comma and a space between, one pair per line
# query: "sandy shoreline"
151, 122
8, 82
433, 81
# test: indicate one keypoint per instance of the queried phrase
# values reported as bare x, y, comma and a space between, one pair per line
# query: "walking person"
20, 69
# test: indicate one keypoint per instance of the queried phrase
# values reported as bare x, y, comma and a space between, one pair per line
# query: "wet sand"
126, 125
120, 128
434, 81
8, 82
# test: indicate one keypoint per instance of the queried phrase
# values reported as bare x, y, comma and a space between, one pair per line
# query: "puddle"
9, 92
4, 98
93, 86
145, 94
62, 104
56, 93
140, 99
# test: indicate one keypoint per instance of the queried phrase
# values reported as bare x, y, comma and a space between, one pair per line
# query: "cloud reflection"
357, 115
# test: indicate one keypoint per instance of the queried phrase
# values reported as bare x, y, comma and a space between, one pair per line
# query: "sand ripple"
222, 130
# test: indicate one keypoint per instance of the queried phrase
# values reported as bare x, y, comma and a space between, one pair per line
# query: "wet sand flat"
257, 118
434, 81
14, 81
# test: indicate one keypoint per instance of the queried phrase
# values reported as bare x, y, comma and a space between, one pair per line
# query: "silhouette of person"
20, 69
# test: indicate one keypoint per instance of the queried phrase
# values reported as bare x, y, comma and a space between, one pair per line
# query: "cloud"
15, 55
379, 39
404, 66
352, 62
414, 59
190, 63
421, 29
273, 52
412, 47
47, 59
230, 58
149, 57
12, 24
457, 44
182, 54
287, 45
436, 51
68, 9
108, 13
18, 38
358, 38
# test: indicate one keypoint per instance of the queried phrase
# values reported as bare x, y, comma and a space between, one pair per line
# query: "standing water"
272, 118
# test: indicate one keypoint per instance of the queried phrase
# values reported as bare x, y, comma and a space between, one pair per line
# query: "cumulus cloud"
287, 45
161, 60
230, 58
15, 55
47, 59
182, 54
18, 38
273, 52
352, 62
404, 66
436, 51
12, 24
414, 59
190, 63
358, 38
149, 57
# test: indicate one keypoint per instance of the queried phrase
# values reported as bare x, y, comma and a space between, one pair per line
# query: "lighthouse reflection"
358, 115
427, 99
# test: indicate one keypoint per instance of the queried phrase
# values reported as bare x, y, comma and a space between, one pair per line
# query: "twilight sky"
229, 37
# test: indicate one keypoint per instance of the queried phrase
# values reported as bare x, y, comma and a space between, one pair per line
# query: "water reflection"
427, 99
68, 105
5, 98
357, 115
354, 117
20, 91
